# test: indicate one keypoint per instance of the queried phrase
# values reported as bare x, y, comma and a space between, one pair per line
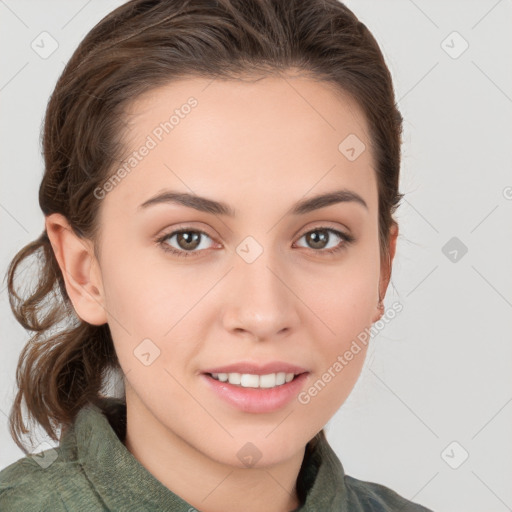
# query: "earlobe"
379, 311
386, 267
78, 265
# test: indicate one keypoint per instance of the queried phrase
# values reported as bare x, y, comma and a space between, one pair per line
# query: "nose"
260, 299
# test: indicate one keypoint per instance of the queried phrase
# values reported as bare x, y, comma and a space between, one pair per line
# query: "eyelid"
183, 227
180, 229
345, 235
325, 225
304, 231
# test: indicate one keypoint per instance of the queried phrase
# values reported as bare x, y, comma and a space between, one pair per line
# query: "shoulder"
373, 497
27, 485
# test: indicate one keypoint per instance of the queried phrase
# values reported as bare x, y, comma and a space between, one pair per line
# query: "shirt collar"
123, 483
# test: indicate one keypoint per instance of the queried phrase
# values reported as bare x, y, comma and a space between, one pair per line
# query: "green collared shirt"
92, 470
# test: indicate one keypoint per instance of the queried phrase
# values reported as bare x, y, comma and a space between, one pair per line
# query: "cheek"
150, 310
341, 342
343, 297
348, 316
345, 302
136, 293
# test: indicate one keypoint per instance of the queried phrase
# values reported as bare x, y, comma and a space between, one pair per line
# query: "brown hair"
141, 45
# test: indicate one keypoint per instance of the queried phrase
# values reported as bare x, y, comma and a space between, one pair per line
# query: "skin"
259, 146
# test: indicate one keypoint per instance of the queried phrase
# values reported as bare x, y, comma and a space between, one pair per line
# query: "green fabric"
94, 471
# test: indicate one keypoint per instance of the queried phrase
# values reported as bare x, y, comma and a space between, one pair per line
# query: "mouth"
251, 380
254, 392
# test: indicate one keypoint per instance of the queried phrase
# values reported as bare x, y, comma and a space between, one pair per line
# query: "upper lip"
257, 369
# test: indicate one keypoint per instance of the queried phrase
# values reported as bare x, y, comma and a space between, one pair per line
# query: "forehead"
240, 138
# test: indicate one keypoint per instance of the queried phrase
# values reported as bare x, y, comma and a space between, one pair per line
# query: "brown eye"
319, 238
187, 241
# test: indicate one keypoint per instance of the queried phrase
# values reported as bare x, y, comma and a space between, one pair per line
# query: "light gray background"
441, 370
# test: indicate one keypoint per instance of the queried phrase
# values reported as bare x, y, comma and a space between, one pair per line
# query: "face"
258, 283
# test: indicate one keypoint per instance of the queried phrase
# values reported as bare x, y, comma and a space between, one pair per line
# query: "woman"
219, 189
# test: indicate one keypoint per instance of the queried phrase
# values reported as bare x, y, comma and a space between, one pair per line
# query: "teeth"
248, 380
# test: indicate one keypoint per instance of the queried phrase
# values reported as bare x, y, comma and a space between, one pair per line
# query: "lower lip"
257, 400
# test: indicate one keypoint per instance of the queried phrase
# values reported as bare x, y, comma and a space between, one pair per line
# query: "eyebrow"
206, 205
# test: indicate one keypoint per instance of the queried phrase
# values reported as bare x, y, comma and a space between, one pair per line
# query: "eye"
186, 239
320, 237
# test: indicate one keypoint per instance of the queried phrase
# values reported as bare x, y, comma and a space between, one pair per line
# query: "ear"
385, 269
80, 269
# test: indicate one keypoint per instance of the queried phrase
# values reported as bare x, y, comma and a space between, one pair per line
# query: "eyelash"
347, 240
